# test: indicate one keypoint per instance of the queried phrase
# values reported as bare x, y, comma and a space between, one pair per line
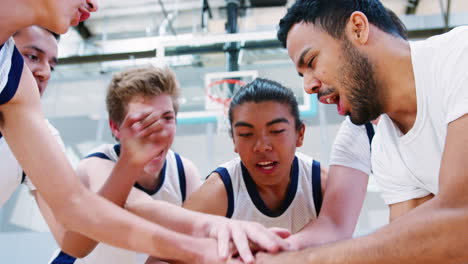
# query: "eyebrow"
54, 59
243, 124
301, 62
278, 120
272, 122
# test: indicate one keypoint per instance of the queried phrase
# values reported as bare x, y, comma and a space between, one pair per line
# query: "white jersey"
407, 166
11, 173
11, 68
303, 198
172, 189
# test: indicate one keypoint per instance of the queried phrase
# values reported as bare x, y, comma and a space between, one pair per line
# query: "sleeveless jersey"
11, 68
303, 198
171, 189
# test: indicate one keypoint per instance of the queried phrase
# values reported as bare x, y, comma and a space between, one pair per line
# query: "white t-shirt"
407, 166
11, 173
351, 147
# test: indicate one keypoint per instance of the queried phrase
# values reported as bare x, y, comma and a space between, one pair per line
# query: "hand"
241, 233
143, 136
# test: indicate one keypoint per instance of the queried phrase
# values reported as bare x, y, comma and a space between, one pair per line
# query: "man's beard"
358, 80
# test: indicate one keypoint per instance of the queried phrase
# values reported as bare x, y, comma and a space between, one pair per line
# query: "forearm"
319, 232
109, 224
429, 234
171, 216
115, 189
121, 180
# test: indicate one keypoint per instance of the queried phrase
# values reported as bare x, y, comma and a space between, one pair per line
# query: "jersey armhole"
182, 179
224, 174
317, 186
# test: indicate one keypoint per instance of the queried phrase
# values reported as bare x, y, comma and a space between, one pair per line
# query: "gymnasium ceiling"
123, 29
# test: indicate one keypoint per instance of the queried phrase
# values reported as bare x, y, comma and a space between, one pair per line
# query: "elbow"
78, 251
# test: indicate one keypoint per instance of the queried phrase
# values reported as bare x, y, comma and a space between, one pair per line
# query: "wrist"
202, 225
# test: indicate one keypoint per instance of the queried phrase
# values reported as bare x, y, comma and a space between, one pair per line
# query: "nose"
92, 5
311, 84
262, 144
42, 72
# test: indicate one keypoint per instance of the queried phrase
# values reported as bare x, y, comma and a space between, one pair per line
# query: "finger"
281, 232
266, 239
224, 239
132, 119
154, 131
150, 120
242, 244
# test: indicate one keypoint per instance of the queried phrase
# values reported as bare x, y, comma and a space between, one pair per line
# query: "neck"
274, 195
149, 181
16, 15
395, 70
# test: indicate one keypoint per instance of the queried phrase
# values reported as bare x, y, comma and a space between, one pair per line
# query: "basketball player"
350, 54
270, 182
74, 206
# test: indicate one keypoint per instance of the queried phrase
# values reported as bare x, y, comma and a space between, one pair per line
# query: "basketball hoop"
218, 97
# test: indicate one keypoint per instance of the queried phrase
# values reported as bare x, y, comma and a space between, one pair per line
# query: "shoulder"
94, 171
210, 198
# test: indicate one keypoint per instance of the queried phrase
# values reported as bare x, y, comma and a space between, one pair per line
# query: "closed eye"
244, 134
278, 131
311, 61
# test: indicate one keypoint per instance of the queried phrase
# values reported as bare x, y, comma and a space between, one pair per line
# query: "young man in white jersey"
38, 48
74, 206
349, 54
269, 182
167, 177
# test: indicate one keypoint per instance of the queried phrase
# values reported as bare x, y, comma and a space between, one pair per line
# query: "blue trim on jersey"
63, 258
226, 178
257, 199
97, 155
162, 177
117, 149
14, 77
181, 172
370, 131
317, 186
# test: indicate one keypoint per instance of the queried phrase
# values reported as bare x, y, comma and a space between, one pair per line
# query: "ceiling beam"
411, 6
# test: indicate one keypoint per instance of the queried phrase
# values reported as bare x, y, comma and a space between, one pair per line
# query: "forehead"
262, 112
307, 36
162, 102
38, 37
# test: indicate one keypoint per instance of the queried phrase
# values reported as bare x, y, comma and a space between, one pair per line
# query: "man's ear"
114, 127
357, 28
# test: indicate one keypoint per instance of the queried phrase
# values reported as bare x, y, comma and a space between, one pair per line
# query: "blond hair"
140, 82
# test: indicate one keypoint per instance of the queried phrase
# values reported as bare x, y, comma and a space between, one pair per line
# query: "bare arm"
399, 209
73, 205
192, 176
203, 199
433, 233
343, 199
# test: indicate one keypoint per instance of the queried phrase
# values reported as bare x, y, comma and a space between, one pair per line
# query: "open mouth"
84, 14
266, 165
334, 99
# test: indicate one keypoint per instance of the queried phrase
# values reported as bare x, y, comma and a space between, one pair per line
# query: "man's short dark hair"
332, 16
56, 36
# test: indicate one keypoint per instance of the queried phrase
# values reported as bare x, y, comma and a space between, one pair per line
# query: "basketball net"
219, 94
